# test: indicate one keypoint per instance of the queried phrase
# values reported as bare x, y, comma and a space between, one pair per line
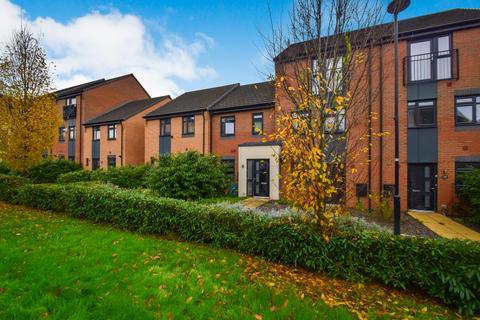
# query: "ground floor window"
229, 167
95, 163
111, 161
463, 168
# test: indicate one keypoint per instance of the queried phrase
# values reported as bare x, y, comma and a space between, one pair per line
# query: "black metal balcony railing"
441, 65
69, 112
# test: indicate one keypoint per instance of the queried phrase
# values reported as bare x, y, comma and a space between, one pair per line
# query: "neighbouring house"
229, 121
83, 102
117, 137
439, 116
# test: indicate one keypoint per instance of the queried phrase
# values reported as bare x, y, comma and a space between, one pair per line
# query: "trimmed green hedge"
129, 177
9, 186
49, 170
445, 269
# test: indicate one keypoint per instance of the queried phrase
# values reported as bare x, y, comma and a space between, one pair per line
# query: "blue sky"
223, 36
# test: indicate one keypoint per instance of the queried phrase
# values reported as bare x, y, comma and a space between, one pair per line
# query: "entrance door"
421, 186
165, 136
258, 177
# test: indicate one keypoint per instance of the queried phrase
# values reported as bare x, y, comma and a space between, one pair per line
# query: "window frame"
96, 133
475, 165
255, 132
163, 123
70, 130
62, 134
185, 121
417, 108
223, 121
109, 158
473, 104
229, 163
71, 101
112, 128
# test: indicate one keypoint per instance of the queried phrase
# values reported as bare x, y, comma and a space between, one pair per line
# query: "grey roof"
75, 90
255, 94
460, 18
193, 101
125, 111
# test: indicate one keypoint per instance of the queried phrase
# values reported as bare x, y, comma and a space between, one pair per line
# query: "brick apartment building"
439, 111
83, 102
229, 121
117, 137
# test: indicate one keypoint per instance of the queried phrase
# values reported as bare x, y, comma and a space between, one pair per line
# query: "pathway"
253, 203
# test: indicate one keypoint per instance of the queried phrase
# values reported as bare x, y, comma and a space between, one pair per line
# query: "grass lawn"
53, 266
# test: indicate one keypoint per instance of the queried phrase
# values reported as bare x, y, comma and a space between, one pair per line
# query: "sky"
171, 46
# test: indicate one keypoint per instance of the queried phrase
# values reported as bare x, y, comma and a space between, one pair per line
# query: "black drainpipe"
203, 135
380, 117
370, 126
121, 146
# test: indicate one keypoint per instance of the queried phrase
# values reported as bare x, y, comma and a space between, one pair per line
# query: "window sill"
188, 135
231, 136
467, 127
110, 139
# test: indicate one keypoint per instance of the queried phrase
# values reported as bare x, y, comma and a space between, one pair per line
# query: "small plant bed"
50, 268
408, 225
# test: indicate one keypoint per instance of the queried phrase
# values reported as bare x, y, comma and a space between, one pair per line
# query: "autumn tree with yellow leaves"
323, 95
29, 117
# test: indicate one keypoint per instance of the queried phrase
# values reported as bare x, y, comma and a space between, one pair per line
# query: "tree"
29, 116
322, 80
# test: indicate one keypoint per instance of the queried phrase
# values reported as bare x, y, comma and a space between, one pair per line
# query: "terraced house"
229, 121
80, 103
439, 109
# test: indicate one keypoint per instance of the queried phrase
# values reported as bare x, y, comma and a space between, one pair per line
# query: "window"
444, 58
467, 110
165, 127
61, 134
112, 131
257, 124
462, 168
111, 161
71, 101
229, 167
333, 71
335, 123
61, 156
227, 128
421, 114
188, 127
96, 134
71, 133
429, 56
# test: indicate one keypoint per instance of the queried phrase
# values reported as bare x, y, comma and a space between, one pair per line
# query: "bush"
9, 185
124, 177
188, 175
470, 190
445, 269
4, 169
49, 170
75, 176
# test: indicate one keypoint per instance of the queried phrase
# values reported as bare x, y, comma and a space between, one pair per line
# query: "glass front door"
258, 177
422, 186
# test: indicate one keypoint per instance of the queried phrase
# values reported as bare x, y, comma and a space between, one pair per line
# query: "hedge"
9, 186
445, 269
49, 170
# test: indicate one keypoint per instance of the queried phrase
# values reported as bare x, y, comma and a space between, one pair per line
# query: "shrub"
470, 190
124, 177
4, 169
75, 176
49, 170
445, 269
9, 185
188, 175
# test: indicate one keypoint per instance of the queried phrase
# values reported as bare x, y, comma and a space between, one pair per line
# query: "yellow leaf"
189, 299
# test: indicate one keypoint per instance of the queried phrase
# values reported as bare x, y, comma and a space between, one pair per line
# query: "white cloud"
103, 45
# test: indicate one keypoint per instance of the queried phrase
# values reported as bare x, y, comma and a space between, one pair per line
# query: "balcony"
435, 66
69, 112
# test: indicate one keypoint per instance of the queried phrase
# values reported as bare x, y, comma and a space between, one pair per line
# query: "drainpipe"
80, 130
369, 126
203, 135
121, 146
380, 117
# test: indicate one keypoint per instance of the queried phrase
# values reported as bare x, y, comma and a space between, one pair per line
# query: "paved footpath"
445, 227
253, 203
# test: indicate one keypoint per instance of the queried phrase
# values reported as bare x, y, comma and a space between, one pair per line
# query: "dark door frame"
165, 136
433, 188
265, 180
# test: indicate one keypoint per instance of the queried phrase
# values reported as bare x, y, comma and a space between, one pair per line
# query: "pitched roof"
455, 18
193, 101
255, 94
125, 111
75, 90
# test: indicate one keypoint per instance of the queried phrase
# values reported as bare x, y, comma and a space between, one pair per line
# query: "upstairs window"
227, 126
71, 133
112, 131
467, 110
257, 124
71, 101
331, 73
335, 123
96, 134
430, 59
421, 114
61, 134
188, 126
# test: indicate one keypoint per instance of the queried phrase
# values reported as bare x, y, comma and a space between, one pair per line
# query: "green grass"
62, 268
